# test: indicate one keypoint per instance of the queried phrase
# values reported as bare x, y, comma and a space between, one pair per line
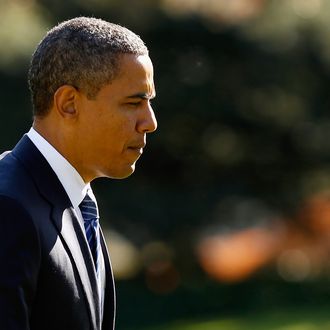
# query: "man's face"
113, 126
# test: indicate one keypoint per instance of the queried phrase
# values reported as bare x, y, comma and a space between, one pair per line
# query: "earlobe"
65, 101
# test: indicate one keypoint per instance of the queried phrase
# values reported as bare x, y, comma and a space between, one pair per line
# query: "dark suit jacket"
47, 279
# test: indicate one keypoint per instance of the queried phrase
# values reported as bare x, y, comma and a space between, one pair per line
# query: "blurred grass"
288, 319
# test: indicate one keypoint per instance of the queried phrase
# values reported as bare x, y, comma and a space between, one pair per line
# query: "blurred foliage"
256, 304
243, 138
288, 320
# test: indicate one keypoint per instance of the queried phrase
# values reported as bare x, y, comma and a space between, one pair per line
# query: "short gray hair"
83, 52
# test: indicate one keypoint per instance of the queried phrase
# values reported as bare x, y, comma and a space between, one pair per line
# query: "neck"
63, 142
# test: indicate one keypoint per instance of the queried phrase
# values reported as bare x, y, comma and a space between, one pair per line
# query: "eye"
134, 104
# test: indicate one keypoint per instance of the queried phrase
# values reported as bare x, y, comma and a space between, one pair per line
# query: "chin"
124, 173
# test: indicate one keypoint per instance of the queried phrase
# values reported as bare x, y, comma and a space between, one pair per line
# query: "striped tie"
89, 212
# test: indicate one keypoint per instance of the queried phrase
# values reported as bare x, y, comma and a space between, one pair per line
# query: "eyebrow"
144, 96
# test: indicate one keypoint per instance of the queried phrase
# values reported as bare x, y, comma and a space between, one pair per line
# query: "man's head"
82, 52
91, 83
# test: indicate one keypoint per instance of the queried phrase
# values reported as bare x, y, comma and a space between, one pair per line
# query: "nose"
148, 122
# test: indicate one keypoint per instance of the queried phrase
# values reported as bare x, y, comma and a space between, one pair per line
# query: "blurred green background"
226, 222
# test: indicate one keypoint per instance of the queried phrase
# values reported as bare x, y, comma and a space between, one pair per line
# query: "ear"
65, 99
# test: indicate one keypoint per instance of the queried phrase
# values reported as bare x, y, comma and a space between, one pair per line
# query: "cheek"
112, 138
120, 129
114, 130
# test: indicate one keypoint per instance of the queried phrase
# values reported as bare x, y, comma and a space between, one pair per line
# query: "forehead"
136, 74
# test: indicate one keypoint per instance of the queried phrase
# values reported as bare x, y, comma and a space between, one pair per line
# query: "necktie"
89, 212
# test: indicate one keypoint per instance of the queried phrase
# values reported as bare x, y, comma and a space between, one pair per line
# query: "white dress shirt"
73, 184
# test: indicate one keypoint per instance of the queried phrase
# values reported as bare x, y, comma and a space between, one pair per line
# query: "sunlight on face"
113, 126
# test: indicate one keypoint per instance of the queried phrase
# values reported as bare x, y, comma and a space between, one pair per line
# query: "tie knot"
88, 209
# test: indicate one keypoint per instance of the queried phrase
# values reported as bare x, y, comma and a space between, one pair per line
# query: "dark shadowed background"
227, 217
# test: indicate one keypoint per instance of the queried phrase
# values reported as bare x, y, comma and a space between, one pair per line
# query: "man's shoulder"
13, 170
15, 181
17, 186
26, 175
4, 154
9, 166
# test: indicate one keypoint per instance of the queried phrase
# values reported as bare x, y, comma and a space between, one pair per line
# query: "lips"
140, 146
137, 145
137, 148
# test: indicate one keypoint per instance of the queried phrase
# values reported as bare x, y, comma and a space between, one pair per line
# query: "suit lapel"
73, 236
110, 294
64, 219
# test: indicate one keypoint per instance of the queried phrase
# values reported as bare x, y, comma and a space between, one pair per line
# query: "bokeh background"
226, 222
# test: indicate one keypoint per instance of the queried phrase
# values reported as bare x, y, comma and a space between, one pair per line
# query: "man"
91, 83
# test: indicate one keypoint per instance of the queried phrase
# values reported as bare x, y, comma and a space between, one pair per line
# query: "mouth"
137, 148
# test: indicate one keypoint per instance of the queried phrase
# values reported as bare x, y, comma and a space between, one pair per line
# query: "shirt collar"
70, 179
